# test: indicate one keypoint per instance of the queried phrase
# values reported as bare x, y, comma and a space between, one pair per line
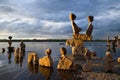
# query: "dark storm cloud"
50, 19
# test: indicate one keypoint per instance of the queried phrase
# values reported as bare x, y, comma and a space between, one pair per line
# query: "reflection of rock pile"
78, 39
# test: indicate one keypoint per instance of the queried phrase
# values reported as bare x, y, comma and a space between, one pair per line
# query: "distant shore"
45, 40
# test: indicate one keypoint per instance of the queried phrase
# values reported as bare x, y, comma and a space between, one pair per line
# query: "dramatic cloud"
50, 19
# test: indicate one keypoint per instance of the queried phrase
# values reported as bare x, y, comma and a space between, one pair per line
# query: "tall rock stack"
10, 48
77, 41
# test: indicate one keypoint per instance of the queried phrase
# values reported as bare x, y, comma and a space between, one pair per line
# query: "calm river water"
9, 70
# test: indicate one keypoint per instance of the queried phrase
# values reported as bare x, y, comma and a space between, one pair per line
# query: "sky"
49, 19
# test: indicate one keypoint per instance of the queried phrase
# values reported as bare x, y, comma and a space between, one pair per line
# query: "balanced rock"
90, 18
47, 60
32, 58
64, 62
72, 16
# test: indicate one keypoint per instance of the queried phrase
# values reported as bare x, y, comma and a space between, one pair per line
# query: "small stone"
72, 16
118, 59
90, 18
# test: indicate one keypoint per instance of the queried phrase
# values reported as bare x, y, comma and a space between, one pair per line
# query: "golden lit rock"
82, 37
47, 60
118, 59
32, 58
64, 62
74, 42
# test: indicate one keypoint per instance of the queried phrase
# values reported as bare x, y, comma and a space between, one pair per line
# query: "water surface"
10, 70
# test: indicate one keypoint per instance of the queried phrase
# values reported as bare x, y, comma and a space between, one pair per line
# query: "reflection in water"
33, 68
108, 48
18, 60
46, 72
3, 50
65, 75
9, 57
112, 49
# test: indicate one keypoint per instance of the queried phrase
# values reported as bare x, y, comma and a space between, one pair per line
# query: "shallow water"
10, 70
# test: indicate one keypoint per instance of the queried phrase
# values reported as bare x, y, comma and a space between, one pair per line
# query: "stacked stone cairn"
10, 48
77, 43
64, 62
46, 61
